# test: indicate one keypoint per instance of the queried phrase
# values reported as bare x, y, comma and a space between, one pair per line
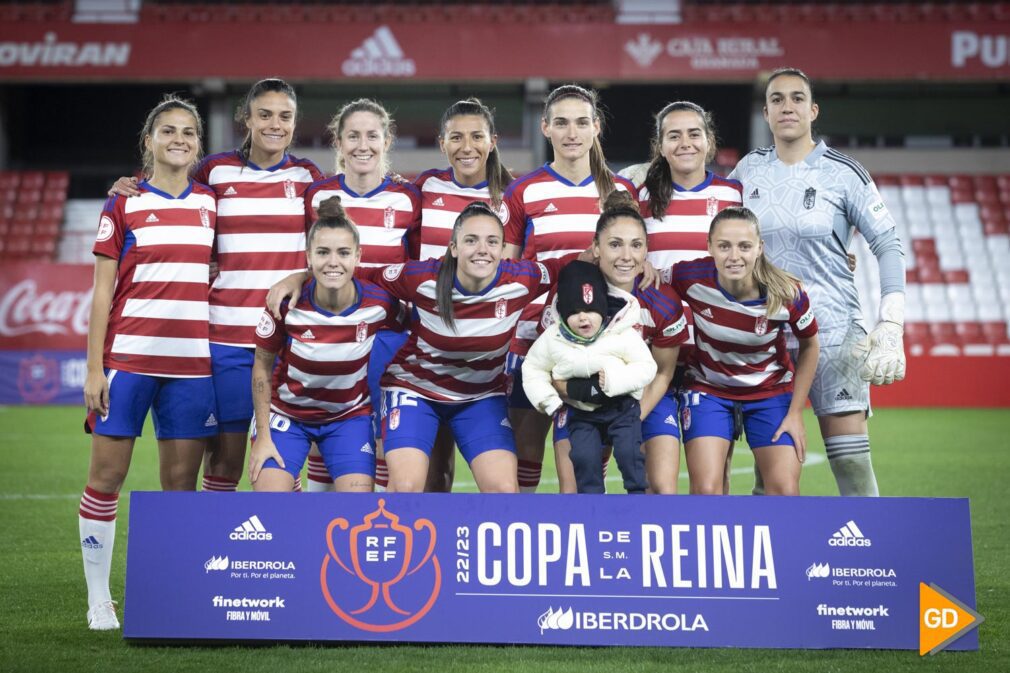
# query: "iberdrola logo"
390, 579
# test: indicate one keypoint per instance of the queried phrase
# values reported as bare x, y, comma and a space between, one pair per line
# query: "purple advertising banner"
43, 377
802, 572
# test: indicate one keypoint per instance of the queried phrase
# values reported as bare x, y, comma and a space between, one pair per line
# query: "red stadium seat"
937, 181
912, 180
943, 332
969, 333
57, 180
8, 195
995, 227
4, 228
962, 195
32, 179
929, 273
962, 182
45, 247
54, 197
955, 276
986, 197
995, 332
1003, 182
29, 195
924, 247
9, 179
26, 211
887, 180
22, 228
992, 212
985, 183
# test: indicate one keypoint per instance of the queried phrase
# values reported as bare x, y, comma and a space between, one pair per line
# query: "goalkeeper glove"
882, 351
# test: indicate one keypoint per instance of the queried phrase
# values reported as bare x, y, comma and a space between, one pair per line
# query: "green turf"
42, 624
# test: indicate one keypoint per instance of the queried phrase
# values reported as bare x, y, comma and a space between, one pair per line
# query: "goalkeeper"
810, 200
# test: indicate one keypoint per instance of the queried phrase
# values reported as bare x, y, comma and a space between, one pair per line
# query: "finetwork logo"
564, 620
252, 529
216, 563
849, 535
379, 56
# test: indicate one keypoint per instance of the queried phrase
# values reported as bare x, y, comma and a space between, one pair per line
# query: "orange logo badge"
395, 580
942, 619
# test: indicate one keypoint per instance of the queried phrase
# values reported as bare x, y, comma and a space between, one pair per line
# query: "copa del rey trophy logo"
380, 575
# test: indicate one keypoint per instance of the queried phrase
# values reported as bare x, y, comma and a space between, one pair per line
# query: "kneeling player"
740, 374
320, 391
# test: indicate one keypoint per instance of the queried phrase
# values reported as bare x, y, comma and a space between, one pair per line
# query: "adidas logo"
379, 55
755, 194
91, 542
843, 394
152, 218
849, 535
367, 448
505, 423
252, 529
707, 312
438, 202
551, 208
210, 422
230, 191
216, 563
670, 420
307, 334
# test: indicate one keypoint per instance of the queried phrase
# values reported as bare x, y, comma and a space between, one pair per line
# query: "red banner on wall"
492, 50
44, 306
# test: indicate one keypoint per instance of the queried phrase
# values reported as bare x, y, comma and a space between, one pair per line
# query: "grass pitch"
938, 453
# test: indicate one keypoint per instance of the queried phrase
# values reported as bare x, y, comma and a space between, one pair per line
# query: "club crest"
394, 419
761, 326
289, 189
204, 217
388, 217
712, 206
809, 197
685, 419
362, 332
587, 293
500, 307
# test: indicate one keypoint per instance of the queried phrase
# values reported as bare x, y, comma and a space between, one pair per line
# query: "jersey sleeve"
515, 227
310, 212
202, 172
671, 323
551, 268
111, 229
270, 333
413, 237
801, 317
394, 279
865, 208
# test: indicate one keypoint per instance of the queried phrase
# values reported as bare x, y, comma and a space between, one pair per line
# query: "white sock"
849, 457
97, 538
319, 480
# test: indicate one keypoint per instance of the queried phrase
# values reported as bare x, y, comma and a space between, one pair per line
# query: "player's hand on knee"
96, 393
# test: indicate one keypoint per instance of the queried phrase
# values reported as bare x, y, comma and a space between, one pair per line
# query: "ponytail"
446, 280
497, 176
780, 287
602, 177
659, 179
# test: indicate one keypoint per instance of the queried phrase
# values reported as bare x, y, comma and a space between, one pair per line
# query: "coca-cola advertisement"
43, 331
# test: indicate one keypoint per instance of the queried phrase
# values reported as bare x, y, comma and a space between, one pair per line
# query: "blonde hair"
780, 287
336, 127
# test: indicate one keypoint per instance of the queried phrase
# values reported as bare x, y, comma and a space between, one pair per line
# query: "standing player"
387, 214
147, 337
320, 389
553, 211
679, 198
810, 200
260, 240
741, 375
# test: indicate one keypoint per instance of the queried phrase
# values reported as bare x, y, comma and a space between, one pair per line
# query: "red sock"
219, 484
317, 470
381, 473
99, 506
529, 473
297, 488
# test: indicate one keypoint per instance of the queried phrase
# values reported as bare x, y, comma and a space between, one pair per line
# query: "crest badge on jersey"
809, 197
105, 228
503, 213
266, 326
587, 293
500, 308
394, 419
562, 417
289, 189
685, 419
393, 271
204, 217
712, 206
761, 326
388, 217
362, 332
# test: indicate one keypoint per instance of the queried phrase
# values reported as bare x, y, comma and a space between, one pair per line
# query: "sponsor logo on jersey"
388, 217
204, 217
849, 535
211, 422
805, 319
152, 218
505, 423
587, 293
675, 328
843, 396
761, 325
362, 332
878, 210
230, 191
545, 275
266, 326
809, 198
707, 312
392, 272
105, 228
367, 448
551, 208
438, 202
756, 194
670, 420
644, 49
251, 529
503, 213
379, 55
500, 308
307, 335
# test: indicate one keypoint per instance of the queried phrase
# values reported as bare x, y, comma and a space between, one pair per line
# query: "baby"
599, 358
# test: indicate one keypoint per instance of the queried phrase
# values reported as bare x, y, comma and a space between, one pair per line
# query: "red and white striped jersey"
158, 322
740, 353
468, 363
663, 321
260, 236
442, 200
548, 217
682, 233
321, 375
388, 218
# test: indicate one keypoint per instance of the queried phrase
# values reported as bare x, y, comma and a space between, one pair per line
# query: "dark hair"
780, 287
244, 111
602, 176
618, 204
659, 178
447, 271
336, 126
789, 72
169, 102
331, 215
498, 177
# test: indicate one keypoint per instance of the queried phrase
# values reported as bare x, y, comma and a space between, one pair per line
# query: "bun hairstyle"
618, 204
447, 271
169, 102
244, 111
331, 215
659, 179
602, 177
336, 127
498, 177
780, 287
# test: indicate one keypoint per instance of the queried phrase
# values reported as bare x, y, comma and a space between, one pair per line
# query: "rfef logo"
398, 580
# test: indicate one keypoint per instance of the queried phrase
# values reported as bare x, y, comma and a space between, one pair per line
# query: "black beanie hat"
581, 287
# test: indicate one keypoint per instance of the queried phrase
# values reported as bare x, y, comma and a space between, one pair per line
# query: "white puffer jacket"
619, 352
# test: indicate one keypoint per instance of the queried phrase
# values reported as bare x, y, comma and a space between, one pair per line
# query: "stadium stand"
31, 213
